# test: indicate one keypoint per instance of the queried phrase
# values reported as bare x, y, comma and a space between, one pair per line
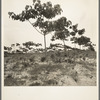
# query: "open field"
75, 68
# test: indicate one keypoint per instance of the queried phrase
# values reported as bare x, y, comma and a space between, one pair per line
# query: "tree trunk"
74, 51
64, 48
45, 45
75, 45
80, 47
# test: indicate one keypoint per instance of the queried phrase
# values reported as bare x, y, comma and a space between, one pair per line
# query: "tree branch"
35, 28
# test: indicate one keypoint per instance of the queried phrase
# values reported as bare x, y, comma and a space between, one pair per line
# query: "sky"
81, 12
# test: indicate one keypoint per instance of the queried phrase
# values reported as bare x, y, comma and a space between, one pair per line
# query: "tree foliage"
83, 40
41, 12
30, 43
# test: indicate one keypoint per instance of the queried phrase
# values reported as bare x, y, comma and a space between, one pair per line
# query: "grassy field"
75, 68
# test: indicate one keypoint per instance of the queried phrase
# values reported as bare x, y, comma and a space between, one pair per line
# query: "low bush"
69, 61
6, 54
43, 59
32, 59
25, 64
58, 54
52, 56
58, 60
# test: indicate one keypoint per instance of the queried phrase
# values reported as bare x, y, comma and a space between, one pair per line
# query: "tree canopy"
42, 13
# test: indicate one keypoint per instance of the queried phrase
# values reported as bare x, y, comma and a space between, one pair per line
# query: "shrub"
58, 54
43, 59
32, 59
25, 64
6, 54
69, 61
57, 60
52, 56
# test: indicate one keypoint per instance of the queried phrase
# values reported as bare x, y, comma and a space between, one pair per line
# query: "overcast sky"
83, 12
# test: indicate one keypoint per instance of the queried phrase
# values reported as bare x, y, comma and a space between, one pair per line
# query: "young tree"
65, 30
41, 12
61, 30
83, 40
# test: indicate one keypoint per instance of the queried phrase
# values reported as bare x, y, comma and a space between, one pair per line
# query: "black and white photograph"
50, 42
